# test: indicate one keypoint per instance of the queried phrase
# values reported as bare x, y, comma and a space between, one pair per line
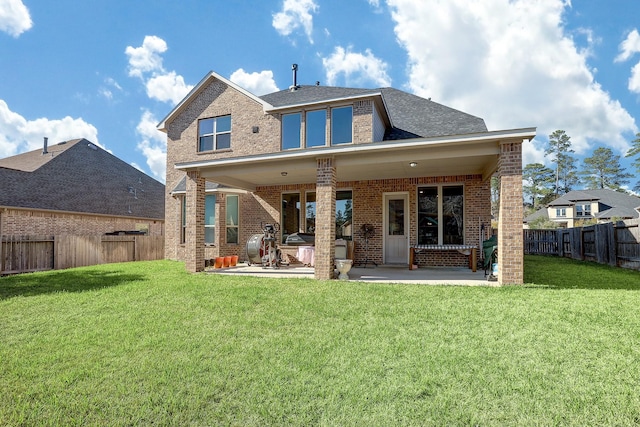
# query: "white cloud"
145, 62
17, 134
629, 46
295, 14
257, 83
107, 92
14, 17
358, 69
168, 87
634, 80
511, 63
146, 58
153, 145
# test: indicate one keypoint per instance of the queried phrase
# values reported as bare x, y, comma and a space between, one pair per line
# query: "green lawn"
148, 344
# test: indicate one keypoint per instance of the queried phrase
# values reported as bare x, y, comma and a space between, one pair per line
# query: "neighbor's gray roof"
78, 176
613, 204
411, 116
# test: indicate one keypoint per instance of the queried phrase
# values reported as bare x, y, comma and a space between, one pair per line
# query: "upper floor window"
291, 125
316, 128
583, 210
341, 125
214, 133
561, 212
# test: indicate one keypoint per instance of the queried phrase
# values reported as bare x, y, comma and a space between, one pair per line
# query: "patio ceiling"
457, 155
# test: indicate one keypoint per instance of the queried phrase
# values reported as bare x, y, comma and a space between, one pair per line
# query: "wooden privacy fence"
22, 254
614, 244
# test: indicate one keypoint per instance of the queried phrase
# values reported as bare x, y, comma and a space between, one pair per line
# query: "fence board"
21, 254
615, 245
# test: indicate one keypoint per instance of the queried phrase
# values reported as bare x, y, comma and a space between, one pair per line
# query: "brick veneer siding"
510, 239
216, 99
22, 222
325, 218
362, 122
194, 239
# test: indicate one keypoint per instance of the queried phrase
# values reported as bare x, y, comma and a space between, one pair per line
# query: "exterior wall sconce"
283, 173
413, 164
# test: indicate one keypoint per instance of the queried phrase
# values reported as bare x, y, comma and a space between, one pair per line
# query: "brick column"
194, 239
510, 240
325, 218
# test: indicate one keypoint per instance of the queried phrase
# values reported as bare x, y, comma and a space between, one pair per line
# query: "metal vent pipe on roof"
46, 145
294, 68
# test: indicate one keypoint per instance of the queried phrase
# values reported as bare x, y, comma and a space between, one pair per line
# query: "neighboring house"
417, 171
76, 187
601, 205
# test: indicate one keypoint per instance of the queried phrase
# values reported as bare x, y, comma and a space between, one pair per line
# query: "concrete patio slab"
379, 274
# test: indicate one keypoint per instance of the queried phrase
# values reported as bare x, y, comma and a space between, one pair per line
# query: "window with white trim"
214, 133
183, 219
233, 215
209, 219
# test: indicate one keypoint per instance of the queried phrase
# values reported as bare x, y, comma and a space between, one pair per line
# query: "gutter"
525, 133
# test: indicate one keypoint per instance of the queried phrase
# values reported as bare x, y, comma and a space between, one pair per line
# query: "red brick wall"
510, 238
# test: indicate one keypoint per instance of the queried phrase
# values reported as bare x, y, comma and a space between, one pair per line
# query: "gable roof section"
78, 176
206, 80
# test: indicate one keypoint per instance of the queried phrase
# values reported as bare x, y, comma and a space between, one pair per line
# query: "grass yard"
146, 343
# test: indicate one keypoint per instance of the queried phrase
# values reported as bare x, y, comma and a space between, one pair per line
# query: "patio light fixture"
283, 173
413, 164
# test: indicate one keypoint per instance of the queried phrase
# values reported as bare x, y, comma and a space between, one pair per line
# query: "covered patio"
401, 165
380, 274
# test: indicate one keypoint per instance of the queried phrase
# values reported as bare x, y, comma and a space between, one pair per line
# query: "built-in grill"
300, 239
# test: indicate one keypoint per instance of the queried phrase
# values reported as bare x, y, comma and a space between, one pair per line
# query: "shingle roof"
78, 176
181, 186
613, 204
411, 116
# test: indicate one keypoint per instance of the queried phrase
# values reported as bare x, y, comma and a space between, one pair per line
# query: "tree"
603, 170
538, 182
559, 149
635, 151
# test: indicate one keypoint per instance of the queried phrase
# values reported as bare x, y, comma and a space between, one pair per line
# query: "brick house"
417, 171
76, 187
600, 205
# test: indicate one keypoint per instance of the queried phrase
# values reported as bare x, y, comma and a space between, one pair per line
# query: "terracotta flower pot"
234, 260
218, 263
227, 261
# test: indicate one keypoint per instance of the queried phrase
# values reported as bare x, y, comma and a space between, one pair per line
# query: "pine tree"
603, 170
559, 149
538, 182
635, 151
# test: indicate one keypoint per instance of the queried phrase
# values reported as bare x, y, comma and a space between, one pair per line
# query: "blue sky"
110, 70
